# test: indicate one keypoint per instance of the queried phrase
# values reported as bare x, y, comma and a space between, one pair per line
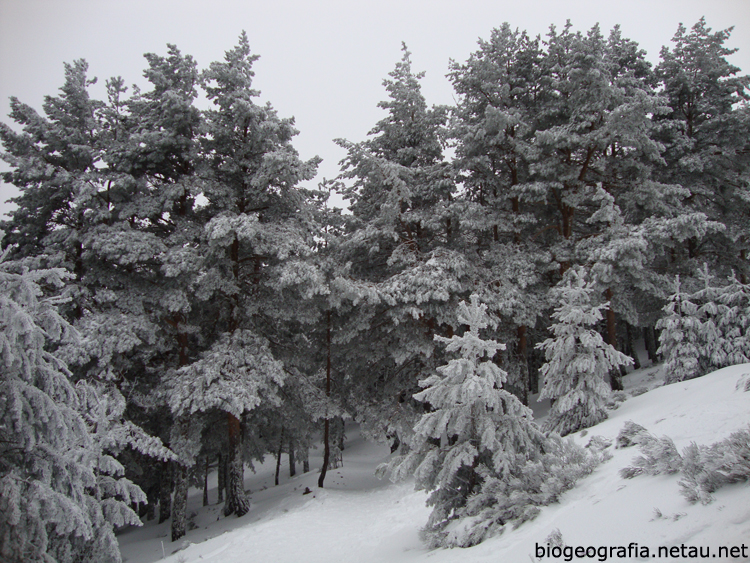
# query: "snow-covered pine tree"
404, 270
235, 375
500, 95
255, 218
47, 455
474, 427
706, 136
578, 359
733, 321
707, 329
680, 342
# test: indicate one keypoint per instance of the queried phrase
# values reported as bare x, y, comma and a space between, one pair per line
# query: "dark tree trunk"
523, 365
615, 378
649, 337
205, 484
305, 460
396, 442
179, 512
278, 458
222, 476
292, 468
236, 502
326, 452
165, 492
327, 423
632, 348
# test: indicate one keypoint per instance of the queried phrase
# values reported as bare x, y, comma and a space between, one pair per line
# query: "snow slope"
358, 519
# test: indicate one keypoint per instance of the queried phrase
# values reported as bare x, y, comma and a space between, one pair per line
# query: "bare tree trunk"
278, 458
292, 468
632, 348
524, 364
615, 379
165, 492
179, 512
327, 423
649, 337
205, 484
305, 459
222, 476
236, 502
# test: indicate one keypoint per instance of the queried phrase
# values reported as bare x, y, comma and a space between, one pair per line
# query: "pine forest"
177, 303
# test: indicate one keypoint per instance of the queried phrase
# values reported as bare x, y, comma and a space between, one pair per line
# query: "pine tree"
473, 428
578, 359
705, 330
399, 255
47, 472
706, 137
255, 219
679, 341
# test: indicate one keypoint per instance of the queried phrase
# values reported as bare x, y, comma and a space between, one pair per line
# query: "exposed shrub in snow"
516, 494
704, 469
660, 455
628, 434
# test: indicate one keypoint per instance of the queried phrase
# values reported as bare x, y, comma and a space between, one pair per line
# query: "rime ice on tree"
578, 359
475, 427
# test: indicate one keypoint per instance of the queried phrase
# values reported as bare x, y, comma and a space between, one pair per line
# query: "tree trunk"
179, 512
326, 452
327, 423
292, 468
236, 502
649, 337
632, 348
205, 485
278, 458
222, 476
523, 364
165, 492
305, 459
615, 379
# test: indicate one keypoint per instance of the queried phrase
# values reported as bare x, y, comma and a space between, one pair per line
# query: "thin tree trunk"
180, 472
236, 502
650, 339
633, 349
205, 485
222, 476
179, 512
292, 468
615, 379
278, 458
165, 492
524, 364
327, 423
305, 460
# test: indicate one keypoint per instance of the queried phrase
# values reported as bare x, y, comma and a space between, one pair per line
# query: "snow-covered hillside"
358, 519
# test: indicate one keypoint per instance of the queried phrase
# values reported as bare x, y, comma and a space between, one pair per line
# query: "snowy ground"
359, 519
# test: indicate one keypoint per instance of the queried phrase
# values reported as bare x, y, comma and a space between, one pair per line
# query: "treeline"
210, 311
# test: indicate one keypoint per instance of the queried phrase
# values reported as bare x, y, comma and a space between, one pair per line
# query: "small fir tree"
578, 359
679, 340
474, 429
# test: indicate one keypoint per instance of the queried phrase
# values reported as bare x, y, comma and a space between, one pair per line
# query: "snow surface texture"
358, 519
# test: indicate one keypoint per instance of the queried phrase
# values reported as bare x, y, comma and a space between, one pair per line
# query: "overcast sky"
321, 62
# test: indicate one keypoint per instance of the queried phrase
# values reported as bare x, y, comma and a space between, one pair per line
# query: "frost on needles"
478, 449
578, 359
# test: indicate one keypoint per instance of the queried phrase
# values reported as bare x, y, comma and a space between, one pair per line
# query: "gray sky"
321, 62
